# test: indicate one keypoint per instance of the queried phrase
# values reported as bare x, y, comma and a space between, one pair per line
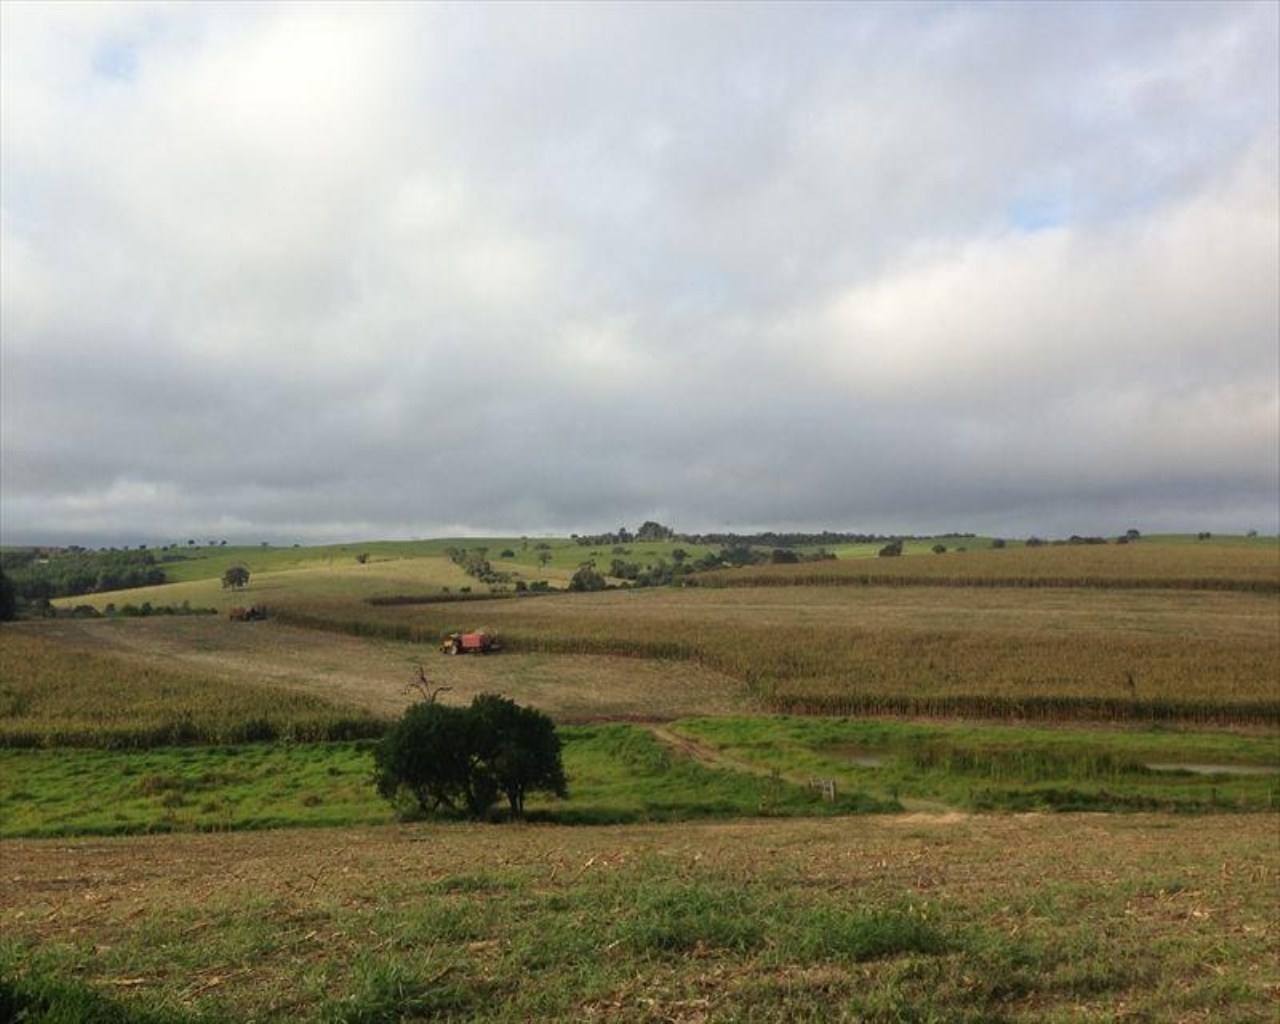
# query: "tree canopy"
463, 759
38, 574
235, 577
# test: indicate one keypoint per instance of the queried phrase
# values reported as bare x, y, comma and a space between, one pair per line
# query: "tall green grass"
1001, 768
617, 774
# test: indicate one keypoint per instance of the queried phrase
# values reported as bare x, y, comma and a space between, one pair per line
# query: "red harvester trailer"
468, 643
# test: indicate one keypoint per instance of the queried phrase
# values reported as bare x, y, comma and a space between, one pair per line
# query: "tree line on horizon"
651, 532
39, 575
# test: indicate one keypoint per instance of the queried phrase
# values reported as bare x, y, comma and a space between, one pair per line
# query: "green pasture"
204, 562
617, 773
167, 789
622, 773
1010, 768
210, 562
320, 578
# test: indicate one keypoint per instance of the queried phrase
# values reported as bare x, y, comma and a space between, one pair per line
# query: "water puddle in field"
1216, 769
865, 759
859, 756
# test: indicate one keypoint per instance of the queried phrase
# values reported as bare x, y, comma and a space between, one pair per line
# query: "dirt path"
706, 754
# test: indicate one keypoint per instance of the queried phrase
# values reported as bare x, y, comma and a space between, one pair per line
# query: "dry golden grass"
54, 692
374, 674
1098, 651
1205, 565
802, 646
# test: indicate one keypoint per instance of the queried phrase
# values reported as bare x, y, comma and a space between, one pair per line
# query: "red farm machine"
468, 643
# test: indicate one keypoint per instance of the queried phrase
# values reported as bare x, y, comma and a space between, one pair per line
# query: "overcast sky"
315, 272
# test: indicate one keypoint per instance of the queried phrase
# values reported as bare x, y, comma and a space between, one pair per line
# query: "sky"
315, 272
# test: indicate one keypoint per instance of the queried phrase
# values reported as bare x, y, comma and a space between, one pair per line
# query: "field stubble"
957, 918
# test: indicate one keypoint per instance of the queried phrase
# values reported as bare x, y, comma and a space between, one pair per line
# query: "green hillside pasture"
986, 652
52, 694
1251, 566
210, 562
385, 557
617, 773
433, 575
1081, 918
1008, 768
350, 579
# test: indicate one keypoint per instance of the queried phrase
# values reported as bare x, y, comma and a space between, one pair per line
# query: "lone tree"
235, 577
463, 759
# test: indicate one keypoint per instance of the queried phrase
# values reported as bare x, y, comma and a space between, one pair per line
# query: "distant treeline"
652, 531
39, 574
827, 538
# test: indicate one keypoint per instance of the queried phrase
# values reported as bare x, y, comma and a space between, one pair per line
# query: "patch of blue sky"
1039, 213
117, 61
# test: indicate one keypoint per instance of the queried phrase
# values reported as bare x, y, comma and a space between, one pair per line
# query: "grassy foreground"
867, 919
617, 773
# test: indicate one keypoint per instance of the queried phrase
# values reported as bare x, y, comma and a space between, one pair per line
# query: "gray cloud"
321, 271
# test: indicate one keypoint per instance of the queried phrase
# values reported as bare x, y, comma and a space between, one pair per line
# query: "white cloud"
306, 267
1183, 297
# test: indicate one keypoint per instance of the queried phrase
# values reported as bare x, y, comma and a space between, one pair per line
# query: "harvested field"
955, 917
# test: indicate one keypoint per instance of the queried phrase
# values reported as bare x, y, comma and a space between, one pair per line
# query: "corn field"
1250, 569
55, 696
1153, 656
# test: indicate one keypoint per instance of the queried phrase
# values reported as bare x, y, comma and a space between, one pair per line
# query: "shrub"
586, 578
